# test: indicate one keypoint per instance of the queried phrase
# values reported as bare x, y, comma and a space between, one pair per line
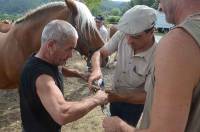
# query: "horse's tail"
72, 6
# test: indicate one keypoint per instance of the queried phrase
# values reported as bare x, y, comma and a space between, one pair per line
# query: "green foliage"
106, 6
138, 2
150, 3
113, 19
96, 11
155, 4
116, 12
92, 4
9, 17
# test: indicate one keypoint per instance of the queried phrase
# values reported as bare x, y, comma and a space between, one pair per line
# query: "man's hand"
133, 96
115, 124
95, 75
101, 97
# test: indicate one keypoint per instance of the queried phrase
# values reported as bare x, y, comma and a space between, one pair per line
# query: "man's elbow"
62, 115
62, 119
68, 115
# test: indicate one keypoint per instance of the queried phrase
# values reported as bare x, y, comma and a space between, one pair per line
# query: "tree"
132, 3
116, 12
155, 4
92, 4
150, 3
113, 19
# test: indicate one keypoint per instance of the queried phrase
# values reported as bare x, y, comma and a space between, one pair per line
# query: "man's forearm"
77, 110
96, 61
129, 96
70, 72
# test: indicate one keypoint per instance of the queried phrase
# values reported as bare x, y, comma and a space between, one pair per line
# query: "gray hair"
59, 31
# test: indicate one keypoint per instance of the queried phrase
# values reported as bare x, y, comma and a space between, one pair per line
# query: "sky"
122, 0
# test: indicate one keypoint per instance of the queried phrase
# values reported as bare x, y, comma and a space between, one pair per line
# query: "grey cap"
137, 19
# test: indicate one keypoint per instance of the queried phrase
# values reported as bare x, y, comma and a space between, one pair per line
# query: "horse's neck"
2, 37
36, 23
28, 32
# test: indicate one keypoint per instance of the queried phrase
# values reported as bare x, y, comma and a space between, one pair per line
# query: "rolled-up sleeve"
112, 45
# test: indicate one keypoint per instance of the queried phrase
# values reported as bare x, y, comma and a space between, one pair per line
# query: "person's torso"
34, 115
104, 33
131, 70
192, 26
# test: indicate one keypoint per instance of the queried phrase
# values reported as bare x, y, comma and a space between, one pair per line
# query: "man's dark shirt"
34, 116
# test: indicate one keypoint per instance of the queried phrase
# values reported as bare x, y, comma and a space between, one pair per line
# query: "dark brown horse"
24, 36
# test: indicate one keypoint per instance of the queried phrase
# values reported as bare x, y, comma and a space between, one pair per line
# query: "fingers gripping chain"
101, 85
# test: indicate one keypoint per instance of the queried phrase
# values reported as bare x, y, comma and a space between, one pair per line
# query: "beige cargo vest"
192, 26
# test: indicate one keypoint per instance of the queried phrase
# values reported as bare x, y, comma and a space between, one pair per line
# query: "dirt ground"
75, 89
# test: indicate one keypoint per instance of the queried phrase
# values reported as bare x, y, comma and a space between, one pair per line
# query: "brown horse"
24, 36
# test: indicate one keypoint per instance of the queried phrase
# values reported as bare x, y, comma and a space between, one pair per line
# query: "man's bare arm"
97, 58
177, 71
96, 63
132, 96
74, 73
60, 110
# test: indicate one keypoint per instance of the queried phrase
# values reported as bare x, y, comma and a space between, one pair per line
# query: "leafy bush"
116, 12
113, 19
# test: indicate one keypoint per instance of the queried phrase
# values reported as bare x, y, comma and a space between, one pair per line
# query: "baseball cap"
137, 19
99, 18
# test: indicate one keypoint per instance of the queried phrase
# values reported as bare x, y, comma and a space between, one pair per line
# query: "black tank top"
33, 115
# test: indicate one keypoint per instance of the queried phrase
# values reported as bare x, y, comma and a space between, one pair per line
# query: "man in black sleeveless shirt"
43, 107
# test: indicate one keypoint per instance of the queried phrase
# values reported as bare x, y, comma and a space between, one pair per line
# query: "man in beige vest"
135, 45
173, 102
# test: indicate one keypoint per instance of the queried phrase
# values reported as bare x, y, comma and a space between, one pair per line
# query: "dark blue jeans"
130, 113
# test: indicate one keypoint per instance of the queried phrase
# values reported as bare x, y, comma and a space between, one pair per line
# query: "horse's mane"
38, 10
84, 19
